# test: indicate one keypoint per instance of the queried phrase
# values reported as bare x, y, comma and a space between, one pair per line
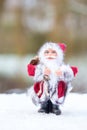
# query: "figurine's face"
50, 54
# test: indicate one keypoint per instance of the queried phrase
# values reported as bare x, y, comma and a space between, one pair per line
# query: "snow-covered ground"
17, 112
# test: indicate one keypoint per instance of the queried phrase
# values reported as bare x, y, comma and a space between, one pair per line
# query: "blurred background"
26, 24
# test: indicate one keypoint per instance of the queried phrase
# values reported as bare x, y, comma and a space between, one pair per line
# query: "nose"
50, 53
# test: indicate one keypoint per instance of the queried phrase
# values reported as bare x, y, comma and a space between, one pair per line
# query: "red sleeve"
74, 69
31, 69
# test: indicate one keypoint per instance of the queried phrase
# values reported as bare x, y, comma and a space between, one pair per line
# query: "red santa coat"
62, 87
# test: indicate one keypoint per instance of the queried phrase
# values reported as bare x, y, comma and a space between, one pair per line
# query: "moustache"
50, 57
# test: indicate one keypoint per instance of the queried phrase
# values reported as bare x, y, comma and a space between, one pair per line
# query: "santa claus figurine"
52, 77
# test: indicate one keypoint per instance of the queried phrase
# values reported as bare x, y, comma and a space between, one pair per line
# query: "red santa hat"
62, 46
58, 47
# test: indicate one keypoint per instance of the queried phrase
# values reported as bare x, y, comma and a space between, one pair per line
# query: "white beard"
53, 65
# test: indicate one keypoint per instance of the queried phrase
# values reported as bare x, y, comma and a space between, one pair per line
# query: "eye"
53, 51
46, 52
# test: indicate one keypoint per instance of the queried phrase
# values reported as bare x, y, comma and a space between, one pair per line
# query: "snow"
17, 112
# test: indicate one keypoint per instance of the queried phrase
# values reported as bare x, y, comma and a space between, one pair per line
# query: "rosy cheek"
45, 55
55, 54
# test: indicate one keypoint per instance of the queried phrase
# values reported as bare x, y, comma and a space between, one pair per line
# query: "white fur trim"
60, 100
39, 73
56, 100
67, 73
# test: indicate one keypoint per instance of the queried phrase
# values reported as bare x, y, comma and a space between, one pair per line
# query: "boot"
44, 108
50, 106
56, 110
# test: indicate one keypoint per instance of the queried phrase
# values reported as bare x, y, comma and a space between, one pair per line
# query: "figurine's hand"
59, 72
47, 71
